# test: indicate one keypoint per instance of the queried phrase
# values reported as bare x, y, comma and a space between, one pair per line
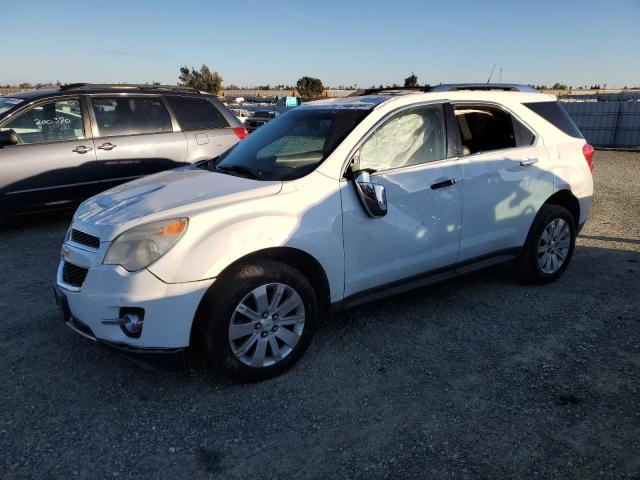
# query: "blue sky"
341, 42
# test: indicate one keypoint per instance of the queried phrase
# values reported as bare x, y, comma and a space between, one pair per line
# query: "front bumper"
169, 308
153, 358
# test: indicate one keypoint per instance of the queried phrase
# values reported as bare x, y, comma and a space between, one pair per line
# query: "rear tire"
549, 246
257, 320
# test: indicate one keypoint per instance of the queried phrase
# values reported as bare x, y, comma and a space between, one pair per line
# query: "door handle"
444, 183
82, 149
107, 146
529, 162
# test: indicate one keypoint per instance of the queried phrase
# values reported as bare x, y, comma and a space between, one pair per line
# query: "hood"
181, 191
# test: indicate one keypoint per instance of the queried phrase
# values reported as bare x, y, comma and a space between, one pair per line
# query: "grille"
85, 239
73, 275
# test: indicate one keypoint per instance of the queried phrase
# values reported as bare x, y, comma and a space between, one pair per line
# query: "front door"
54, 163
134, 136
421, 229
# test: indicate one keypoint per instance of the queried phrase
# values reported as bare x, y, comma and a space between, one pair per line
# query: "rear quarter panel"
566, 160
207, 144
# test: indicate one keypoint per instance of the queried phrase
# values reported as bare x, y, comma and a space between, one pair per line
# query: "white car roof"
405, 97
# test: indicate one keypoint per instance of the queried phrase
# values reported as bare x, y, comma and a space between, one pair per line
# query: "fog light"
133, 319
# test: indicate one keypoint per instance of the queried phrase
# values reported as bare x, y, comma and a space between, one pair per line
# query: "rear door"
134, 135
54, 162
506, 179
208, 132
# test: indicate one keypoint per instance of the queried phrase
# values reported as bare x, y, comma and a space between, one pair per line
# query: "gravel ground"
479, 377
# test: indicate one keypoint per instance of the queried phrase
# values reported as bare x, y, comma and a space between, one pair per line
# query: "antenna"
500, 77
491, 74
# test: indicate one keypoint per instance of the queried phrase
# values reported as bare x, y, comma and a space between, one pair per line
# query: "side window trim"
175, 125
94, 122
454, 143
476, 103
42, 101
88, 124
383, 120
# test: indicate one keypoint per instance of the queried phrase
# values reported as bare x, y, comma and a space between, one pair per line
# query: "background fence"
607, 120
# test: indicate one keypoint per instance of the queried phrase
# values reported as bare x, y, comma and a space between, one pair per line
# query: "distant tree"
411, 81
310, 87
559, 86
203, 79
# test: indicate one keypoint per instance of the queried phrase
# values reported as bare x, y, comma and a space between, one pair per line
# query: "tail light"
240, 132
588, 152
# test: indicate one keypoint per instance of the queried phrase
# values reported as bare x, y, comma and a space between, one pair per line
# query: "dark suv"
62, 145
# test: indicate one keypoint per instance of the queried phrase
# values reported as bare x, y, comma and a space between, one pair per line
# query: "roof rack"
505, 87
448, 87
373, 91
131, 86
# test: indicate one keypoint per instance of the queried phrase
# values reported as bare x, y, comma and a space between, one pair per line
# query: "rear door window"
52, 121
486, 128
130, 115
196, 113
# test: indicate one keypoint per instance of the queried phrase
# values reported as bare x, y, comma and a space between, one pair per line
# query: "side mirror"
372, 195
8, 137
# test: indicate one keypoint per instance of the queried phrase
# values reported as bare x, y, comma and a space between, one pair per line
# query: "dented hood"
171, 193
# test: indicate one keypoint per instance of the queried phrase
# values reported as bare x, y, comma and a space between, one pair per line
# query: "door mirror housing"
372, 195
7, 138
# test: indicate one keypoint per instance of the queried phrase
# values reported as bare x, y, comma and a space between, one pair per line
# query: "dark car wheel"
549, 245
257, 320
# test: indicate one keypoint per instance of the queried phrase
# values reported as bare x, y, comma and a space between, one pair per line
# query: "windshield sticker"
341, 105
356, 106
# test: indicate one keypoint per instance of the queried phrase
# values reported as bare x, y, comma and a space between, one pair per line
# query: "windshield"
292, 145
7, 103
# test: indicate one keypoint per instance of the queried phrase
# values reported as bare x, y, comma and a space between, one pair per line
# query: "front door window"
409, 138
52, 121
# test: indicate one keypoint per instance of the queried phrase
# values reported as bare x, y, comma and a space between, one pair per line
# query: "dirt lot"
479, 377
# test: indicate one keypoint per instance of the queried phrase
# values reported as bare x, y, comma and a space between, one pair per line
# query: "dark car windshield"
7, 103
292, 145
263, 114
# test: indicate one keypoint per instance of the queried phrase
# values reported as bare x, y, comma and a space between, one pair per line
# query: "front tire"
257, 320
549, 245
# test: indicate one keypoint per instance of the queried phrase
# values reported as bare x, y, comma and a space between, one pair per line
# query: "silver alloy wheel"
553, 247
266, 325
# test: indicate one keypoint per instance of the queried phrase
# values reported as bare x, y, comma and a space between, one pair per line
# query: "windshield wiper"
242, 170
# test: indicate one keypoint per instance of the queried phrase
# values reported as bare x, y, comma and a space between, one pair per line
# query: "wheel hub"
266, 325
554, 245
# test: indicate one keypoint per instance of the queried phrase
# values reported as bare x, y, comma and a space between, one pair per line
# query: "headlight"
141, 246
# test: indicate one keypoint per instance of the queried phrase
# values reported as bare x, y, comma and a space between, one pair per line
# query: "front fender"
306, 215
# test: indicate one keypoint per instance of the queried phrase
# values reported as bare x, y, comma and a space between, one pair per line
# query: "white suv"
330, 205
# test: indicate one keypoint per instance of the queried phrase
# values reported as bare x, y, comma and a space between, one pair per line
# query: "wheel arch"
302, 261
566, 199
